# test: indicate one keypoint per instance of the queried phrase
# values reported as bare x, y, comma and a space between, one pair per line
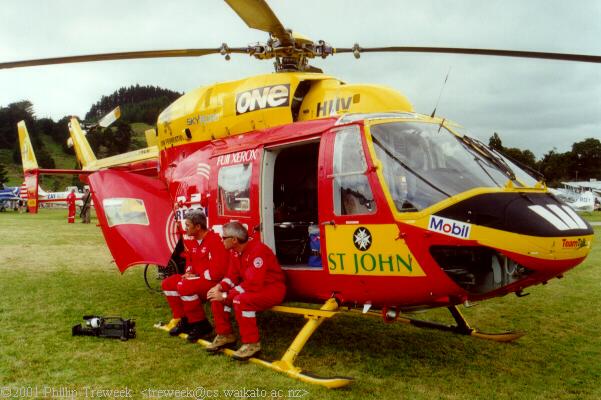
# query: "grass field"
53, 273
594, 216
138, 139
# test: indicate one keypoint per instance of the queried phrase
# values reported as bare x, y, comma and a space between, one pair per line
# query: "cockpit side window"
352, 194
234, 189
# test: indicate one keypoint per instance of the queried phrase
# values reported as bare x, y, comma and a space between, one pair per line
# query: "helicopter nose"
531, 214
515, 240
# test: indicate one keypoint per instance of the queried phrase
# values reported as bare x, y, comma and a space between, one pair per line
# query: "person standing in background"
85, 208
71, 207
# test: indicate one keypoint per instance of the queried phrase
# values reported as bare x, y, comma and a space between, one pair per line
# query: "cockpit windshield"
424, 163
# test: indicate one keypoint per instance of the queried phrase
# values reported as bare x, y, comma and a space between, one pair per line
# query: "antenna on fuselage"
440, 94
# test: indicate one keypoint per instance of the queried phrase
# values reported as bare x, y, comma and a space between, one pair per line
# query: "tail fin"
88, 160
27, 155
83, 151
587, 200
30, 167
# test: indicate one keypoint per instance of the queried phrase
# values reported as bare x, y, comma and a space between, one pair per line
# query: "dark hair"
197, 217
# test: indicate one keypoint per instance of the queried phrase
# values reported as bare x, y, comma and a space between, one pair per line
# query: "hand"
215, 293
189, 275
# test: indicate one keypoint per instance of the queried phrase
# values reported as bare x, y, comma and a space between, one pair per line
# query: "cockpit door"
358, 232
347, 187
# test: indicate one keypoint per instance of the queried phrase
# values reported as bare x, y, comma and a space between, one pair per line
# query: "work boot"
246, 351
198, 330
220, 342
182, 327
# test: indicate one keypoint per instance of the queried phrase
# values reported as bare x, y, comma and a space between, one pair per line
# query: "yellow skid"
286, 363
329, 309
461, 328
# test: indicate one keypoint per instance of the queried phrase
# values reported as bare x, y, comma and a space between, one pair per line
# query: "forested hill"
138, 103
140, 107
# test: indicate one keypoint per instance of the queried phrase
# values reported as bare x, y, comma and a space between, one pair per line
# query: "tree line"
581, 163
138, 103
9, 137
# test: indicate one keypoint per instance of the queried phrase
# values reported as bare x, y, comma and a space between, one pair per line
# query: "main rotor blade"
483, 52
258, 15
118, 56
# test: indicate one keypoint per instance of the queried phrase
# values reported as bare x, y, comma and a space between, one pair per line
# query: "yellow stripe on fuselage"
546, 248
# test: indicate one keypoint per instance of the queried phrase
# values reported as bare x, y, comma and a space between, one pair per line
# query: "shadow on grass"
347, 342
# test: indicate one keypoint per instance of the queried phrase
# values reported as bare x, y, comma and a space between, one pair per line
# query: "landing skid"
286, 363
461, 327
330, 309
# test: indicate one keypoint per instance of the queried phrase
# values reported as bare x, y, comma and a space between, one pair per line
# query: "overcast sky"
539, 105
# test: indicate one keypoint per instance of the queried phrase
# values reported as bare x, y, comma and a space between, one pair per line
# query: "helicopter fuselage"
387, 208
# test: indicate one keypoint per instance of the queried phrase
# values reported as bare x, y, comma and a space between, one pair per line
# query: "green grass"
594, 216
138, 139
62, 161
54, 273
48, 182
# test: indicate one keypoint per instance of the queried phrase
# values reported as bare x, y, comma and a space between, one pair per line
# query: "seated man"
206, 263
254, 282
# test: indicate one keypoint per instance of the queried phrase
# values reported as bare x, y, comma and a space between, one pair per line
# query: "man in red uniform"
71, 204
254, 282
206, 263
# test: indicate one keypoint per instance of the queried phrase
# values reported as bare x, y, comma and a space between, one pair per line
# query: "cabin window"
352, 194
234, 188
125, 211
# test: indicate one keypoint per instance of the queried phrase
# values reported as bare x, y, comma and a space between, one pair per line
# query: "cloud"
532, 104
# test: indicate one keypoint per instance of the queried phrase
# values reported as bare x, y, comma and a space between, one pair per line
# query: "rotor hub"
291, 56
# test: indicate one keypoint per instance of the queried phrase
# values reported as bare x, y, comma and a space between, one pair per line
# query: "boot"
182, 327
219, 342
198, 330
247, 351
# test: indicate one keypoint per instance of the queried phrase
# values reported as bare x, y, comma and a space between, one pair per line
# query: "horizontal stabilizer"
109, 118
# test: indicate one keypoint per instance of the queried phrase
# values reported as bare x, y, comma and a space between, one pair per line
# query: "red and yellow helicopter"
369, 205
